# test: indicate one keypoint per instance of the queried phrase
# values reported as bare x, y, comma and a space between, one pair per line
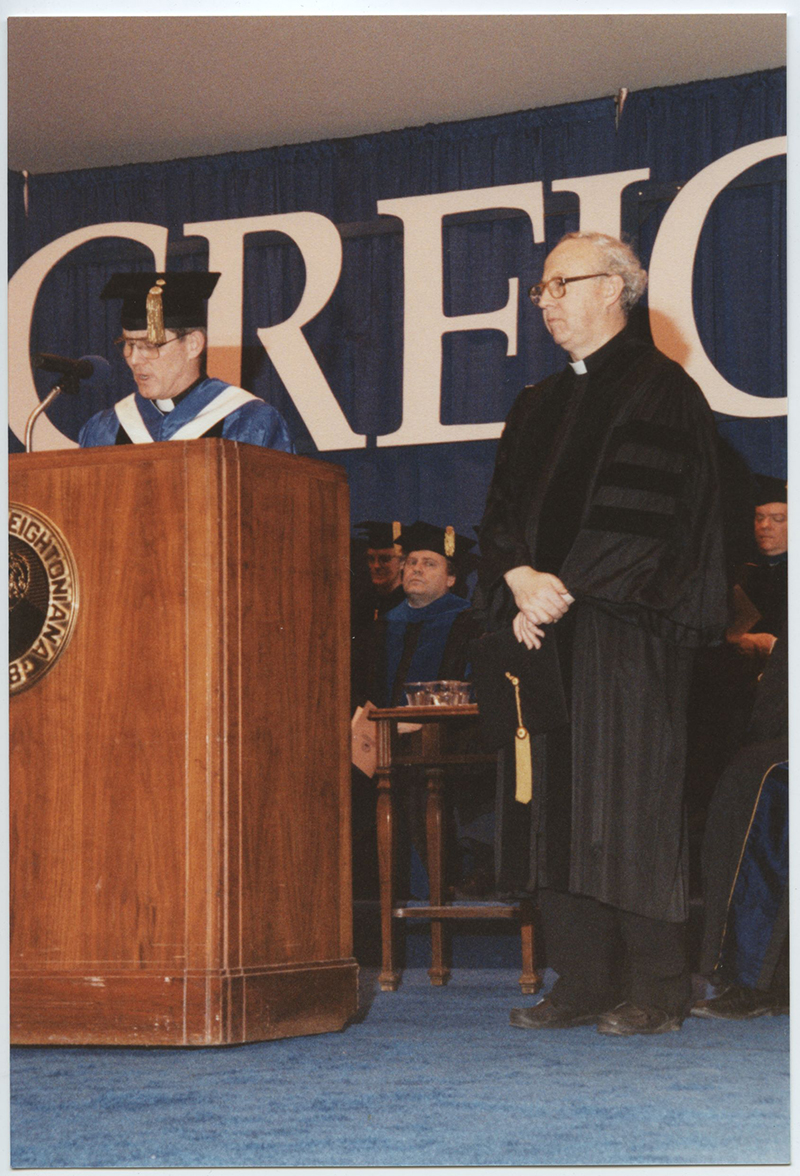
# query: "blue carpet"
426, 1077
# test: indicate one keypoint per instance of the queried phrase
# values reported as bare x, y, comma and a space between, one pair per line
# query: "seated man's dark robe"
415, 644
726, 680
409, 644
764, 582
745, 848
366, 607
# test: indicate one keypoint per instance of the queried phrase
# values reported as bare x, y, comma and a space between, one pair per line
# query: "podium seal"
42, 595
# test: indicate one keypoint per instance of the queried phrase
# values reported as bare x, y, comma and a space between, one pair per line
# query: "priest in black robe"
602, 534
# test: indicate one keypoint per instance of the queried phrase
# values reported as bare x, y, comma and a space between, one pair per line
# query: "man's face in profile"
577, 319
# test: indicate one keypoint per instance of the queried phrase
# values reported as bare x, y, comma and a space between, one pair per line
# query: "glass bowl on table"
418, 693
440, 693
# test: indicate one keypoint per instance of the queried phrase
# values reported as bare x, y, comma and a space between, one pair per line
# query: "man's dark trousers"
604, 956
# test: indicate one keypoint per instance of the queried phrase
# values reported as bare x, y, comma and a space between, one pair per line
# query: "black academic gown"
726, 679
610, 481
765, 584
366, 605
747, 819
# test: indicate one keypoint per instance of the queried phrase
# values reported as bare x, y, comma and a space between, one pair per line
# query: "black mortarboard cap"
769, 489
379, 535
421, 536
183, 297
541, 692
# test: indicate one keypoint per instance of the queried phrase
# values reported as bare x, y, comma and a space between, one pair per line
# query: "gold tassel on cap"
396, 529
155, 314
522, 748
449, 542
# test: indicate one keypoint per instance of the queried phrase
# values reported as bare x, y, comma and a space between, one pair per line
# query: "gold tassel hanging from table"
155, 314
522, 748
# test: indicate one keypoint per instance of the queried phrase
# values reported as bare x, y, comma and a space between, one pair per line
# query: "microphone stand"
65, 384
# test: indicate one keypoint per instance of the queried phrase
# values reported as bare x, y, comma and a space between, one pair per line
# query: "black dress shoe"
736, 1003
627, 1019
546, 1015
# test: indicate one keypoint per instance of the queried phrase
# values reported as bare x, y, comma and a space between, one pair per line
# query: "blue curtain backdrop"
739, 283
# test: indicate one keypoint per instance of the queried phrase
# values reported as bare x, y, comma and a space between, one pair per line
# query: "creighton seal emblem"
42, 595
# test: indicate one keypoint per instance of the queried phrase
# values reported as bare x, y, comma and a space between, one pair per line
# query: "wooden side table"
434, 757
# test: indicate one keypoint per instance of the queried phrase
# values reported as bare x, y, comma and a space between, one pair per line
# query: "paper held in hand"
364, 740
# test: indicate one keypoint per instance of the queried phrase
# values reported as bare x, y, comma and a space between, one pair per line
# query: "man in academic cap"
377, 587
164, 344
384, 564
426, 636
376, 569
602, 534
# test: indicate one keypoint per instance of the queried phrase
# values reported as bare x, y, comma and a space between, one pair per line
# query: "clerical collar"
167, 405
592, 363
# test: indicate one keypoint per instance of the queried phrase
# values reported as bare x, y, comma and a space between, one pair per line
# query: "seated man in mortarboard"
377, 585
164, 344
383, 559
425, 638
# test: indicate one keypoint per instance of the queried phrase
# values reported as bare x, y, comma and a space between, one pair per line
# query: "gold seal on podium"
42, 595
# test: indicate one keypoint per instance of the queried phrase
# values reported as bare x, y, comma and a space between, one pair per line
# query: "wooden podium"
180, 777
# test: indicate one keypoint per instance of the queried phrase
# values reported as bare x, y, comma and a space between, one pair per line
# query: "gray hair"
618, 258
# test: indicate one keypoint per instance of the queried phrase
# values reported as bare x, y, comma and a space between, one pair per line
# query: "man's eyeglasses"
557, 287
145, 349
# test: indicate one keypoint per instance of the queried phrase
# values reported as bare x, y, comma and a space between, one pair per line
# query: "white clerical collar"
167, 404
579, 367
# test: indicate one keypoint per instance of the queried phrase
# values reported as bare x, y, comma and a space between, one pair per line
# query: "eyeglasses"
145, 349
557, 287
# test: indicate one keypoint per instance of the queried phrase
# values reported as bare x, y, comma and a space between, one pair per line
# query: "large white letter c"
671, 269
22, 292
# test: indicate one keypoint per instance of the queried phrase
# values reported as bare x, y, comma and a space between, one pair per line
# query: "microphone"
94, 368
80, 369
101, 369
